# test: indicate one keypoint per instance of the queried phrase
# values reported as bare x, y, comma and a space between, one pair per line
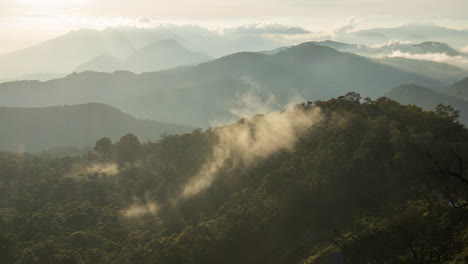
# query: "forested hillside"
360, 180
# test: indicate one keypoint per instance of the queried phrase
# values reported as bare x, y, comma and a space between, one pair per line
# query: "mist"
252, 140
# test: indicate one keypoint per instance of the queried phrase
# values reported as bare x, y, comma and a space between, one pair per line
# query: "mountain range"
392, 47
444, 72
65, 53
211, 92
161, 55
412, 32
426, 58
37, 129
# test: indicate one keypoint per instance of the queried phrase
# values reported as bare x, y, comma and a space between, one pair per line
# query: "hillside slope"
444, 72
102, 63
35, 129
64, 53
363, 182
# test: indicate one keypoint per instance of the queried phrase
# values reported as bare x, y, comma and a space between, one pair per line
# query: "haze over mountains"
411, 32
444, 72
234, 132
37, 129
391, 48
161, 55
430, 59
98, 50
65, 53
200, 95
139, 71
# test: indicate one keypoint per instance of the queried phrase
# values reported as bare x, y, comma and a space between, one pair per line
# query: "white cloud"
268, 28
460, 61
139, 209
346, 26
104, 169
389, 44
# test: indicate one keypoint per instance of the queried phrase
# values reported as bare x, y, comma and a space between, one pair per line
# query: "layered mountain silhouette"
396, 54
444, 72
102, 63
36, 129
64, 53
429, 47
185, 95
161, 55
413, 32
37, 77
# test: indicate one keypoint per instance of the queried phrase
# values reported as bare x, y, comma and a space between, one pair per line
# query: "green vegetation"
371, 182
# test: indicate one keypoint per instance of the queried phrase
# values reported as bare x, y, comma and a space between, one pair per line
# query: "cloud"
139, 209
147, 22
251, 103
389, 43
252, 140
347, 26
267, 29
107, 22
108, 169
257, 100
460, 61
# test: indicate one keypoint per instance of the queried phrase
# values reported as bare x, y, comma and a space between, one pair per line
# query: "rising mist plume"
250, 140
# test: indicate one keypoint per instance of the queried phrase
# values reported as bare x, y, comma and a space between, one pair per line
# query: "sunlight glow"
51, 2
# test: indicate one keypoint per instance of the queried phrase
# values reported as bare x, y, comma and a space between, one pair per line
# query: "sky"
27, 22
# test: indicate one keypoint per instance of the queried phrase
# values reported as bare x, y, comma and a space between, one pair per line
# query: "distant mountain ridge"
102, 63
209, 92
161, 55
429, 47
444, 72
412, 32
396, 55
64, 53
37, 129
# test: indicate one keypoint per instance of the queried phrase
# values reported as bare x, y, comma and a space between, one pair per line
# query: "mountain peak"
437, 47
165, 44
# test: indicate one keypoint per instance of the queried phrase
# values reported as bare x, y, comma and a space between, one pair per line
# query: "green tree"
103, 146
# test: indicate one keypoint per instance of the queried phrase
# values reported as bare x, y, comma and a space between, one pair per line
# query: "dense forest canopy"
361, 180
